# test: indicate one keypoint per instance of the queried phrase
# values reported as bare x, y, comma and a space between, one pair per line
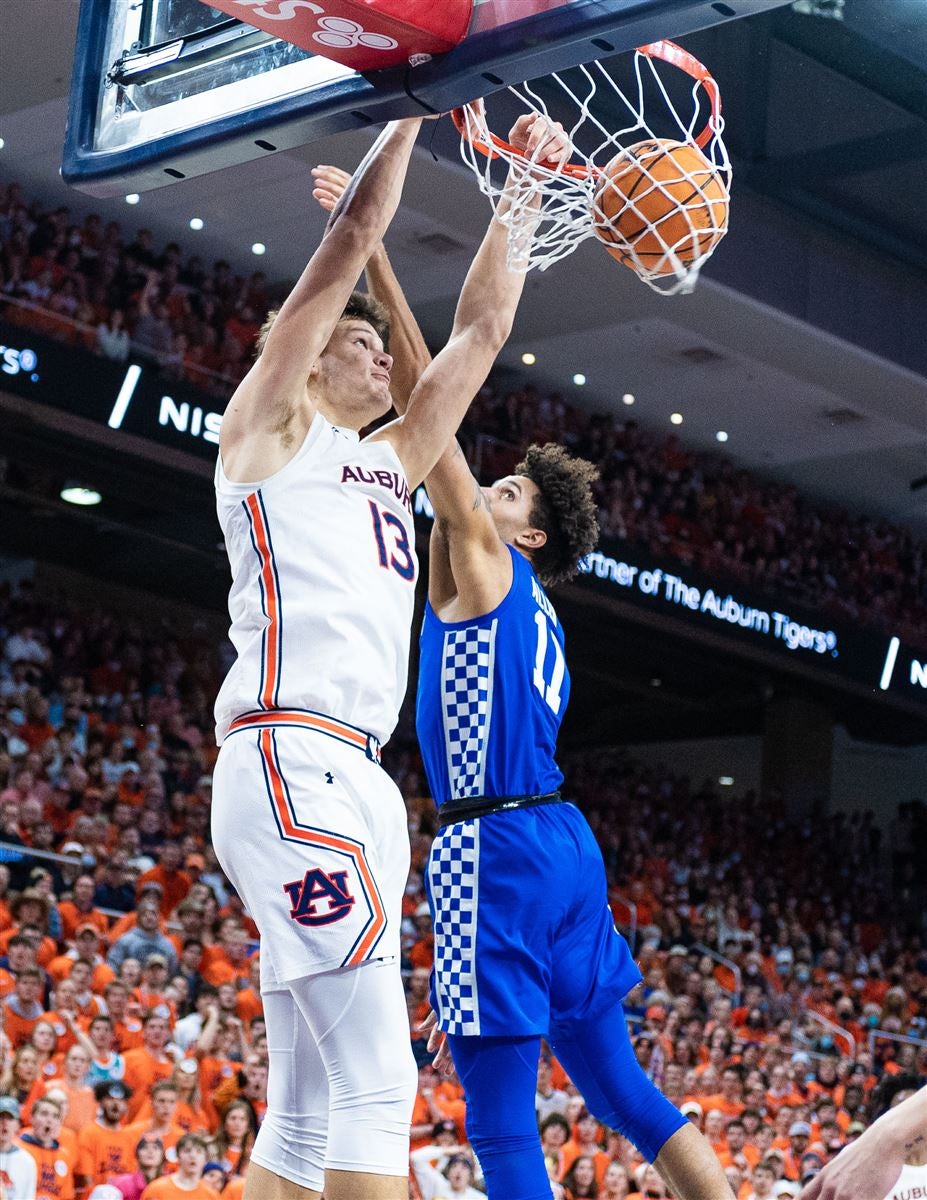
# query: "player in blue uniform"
525, 945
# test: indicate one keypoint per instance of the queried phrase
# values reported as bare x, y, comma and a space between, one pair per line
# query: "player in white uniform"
312, 833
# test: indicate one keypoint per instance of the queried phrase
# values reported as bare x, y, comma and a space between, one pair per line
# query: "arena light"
676, 418
2, 143
528, 359
197, 223
627, 398
726, 780
258, 248
721, 436
579, 379
84, 497
133, 198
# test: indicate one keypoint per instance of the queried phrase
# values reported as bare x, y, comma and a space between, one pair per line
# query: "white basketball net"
552, 210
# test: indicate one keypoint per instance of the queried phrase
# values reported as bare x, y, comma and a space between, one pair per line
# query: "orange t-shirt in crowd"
750, 1153
47, 950
18, 1029
54, 1170
174, 886
248, 1005
730, 1108
82, 1104
188, 1118
450, 1107
570, 1152
72, 916
66, 1038
60, 968
774, 1103
7, 983
231, 1158
147, 1000
217, 968
104, 1152
559, 1080
423, 953
165, 1189
213, 1073
142, 1072
127, 1035
235, 1188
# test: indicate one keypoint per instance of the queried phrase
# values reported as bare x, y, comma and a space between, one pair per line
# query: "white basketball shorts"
313, 835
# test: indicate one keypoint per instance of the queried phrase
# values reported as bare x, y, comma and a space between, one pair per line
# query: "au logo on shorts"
319, 898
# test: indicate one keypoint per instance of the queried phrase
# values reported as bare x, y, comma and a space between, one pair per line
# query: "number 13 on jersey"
548, 685
387, 525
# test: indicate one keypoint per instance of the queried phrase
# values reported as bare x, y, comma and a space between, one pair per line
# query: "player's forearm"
369, 202
355, 228
903, 1130
454, 493
406, 343
491, 293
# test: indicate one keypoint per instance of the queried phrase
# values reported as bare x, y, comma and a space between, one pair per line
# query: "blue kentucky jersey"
492, 692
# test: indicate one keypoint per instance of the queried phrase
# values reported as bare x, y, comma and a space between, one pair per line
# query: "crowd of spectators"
133, 1044
90, 284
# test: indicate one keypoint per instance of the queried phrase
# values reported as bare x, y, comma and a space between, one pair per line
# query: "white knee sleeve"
292, 1138
359, 1022
342, 1079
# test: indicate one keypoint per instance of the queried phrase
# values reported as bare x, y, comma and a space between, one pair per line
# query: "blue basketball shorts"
525, 942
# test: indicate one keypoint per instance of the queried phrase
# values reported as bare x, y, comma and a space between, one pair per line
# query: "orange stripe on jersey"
269, 585
314, 837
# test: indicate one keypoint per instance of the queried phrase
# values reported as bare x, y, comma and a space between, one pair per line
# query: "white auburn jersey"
323, 583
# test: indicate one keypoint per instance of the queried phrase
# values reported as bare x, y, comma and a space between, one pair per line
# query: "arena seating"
780, 982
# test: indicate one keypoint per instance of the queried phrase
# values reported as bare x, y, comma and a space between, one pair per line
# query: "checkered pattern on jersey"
466, 679
453, 880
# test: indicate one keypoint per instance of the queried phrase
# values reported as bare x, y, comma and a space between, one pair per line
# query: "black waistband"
471, 807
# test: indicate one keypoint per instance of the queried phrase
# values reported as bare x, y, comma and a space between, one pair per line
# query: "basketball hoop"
654, 191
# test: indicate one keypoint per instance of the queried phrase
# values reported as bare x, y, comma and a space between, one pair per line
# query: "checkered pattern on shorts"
453, 878
467, 698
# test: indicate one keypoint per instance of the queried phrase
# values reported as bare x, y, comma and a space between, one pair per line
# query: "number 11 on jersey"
550, 691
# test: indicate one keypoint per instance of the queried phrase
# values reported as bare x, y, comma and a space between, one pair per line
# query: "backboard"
164, 90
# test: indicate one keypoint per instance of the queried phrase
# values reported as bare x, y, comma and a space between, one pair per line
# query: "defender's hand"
437, 1045
328, 185
541, 140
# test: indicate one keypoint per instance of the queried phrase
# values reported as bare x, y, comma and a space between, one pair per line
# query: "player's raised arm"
482, 324
407, 347
272, 409
467, 554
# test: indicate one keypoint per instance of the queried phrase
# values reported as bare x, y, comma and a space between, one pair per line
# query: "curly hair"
565, 509
360, 307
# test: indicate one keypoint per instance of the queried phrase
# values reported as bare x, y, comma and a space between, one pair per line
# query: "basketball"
660, 204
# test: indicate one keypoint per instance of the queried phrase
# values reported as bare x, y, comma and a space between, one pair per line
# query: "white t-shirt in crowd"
17, 1173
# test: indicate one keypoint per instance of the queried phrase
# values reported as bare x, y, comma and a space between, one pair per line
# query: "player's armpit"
263, 426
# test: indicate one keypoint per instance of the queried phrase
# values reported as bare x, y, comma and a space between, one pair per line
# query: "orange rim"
665, 50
